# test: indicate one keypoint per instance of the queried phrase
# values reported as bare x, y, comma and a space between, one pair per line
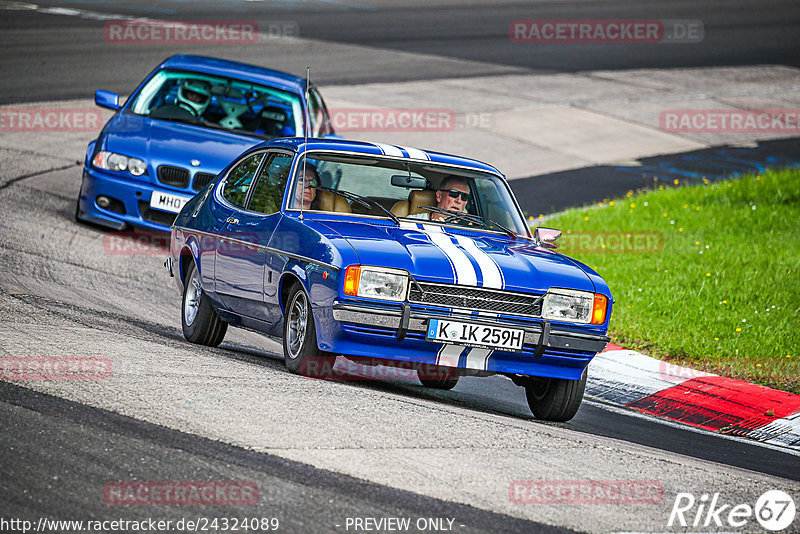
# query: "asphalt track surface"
55, 453
57, 56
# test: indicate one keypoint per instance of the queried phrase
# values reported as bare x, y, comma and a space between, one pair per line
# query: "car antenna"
306, 126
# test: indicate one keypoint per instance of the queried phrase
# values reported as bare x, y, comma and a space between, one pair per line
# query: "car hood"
161, 142
453, 255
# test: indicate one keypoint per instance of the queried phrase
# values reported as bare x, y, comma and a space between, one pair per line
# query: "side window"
239, 180
320, 121
268, 191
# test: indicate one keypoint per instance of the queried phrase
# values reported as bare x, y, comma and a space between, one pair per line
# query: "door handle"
232, 220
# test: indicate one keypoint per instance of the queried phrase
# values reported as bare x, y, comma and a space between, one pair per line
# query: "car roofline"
235, 69
352, 147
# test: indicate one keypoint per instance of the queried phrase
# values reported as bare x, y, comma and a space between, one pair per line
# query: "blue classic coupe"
390, 255
188, 119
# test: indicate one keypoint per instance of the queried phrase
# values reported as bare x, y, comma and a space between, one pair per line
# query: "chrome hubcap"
192, 302
297, 322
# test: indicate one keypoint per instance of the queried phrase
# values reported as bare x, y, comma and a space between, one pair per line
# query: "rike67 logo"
774, 510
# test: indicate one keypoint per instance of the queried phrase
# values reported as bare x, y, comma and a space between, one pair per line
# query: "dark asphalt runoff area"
58, 56
549, 193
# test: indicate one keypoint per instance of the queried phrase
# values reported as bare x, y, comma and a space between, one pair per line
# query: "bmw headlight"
375, 283
572, 306
117, 162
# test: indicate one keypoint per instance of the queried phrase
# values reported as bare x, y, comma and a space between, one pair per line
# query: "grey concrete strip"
530, 124
526, 124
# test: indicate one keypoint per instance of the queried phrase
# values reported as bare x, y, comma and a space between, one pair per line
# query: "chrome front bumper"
403, 320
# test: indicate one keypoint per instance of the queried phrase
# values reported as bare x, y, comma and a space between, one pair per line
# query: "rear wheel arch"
186, 261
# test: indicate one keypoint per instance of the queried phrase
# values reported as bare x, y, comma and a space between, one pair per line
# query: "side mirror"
107, 99
546, 237
411, 182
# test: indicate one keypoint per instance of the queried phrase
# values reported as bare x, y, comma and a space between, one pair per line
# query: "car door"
242, 254
233, 257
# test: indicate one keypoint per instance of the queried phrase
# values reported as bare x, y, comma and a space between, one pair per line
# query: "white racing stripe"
465, 272
448, 355
415, 153
478, 358
492, 276
389, 150
418, 227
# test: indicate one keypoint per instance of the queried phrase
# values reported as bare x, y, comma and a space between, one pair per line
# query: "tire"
200, 321
300, 350
555, 399
437, 377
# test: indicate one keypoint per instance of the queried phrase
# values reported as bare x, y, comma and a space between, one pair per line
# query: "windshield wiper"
364, 201
484, 221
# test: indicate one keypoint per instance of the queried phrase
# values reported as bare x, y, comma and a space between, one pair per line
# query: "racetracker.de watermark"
197, 32
586, 492
677, 374
730, 121
55, 367
612, 31
153, 243
612, 242
50, 119
397, 120
173, 493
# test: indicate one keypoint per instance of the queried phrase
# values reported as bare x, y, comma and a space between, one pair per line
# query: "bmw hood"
162, 142
451, 255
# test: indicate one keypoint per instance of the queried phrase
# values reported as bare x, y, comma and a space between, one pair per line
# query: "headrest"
420, 197
330, 202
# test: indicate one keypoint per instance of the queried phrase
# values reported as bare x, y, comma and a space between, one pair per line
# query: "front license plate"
168, 201
475, 335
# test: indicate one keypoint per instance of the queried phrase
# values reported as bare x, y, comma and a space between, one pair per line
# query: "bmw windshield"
219, 102
406, 191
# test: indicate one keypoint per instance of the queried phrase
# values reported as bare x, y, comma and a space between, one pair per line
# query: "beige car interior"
330, 202
416, 198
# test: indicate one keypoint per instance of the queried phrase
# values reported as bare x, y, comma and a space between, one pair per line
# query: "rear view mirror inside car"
411, 182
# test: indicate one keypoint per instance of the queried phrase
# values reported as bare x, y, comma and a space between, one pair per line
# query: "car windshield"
412, 191
218, 102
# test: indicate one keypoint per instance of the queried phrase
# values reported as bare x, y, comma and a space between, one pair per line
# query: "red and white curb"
633, 380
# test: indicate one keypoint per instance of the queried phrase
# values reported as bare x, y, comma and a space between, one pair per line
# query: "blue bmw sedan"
391, 255
180, 127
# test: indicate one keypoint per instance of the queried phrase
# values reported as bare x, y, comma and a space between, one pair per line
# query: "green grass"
723, 294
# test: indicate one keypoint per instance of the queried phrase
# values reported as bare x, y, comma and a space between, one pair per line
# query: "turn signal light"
599, 309
351, 277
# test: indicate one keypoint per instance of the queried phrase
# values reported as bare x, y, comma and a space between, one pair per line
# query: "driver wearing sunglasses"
453, 195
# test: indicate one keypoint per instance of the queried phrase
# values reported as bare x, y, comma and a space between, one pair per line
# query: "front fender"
89, 153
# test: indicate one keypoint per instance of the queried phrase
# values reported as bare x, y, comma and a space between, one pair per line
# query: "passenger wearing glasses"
453, 195
307, 188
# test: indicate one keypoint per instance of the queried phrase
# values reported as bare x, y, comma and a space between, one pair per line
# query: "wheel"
201, 324
300, 349
555, 399
436, 376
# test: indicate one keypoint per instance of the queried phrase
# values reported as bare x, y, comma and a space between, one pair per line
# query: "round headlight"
116, 162
136, 166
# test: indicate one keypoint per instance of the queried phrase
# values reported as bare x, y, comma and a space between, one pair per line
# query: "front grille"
174, 176
157, 216
202, 179
475, 298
